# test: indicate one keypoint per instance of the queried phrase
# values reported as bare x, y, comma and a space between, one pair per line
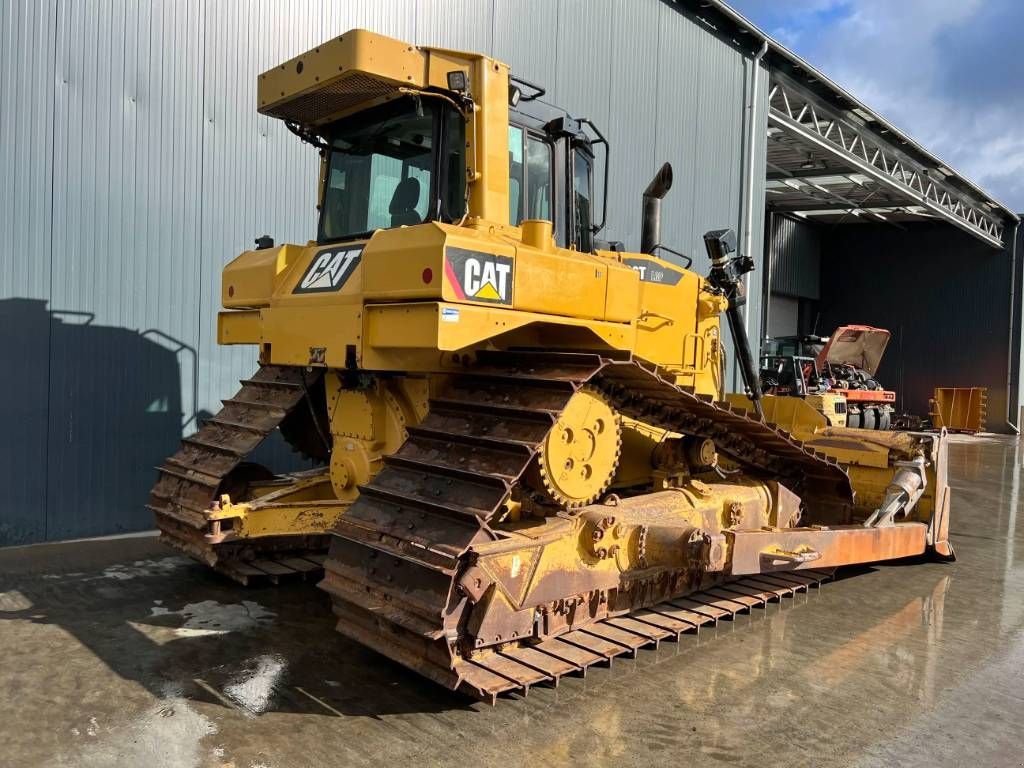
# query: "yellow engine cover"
401, 300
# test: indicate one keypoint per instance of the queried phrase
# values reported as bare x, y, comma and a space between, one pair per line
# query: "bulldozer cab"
551, 166
403, 163
394, 164
414, 135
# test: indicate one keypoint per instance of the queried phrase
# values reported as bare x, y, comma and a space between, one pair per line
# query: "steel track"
398, 552
211, 462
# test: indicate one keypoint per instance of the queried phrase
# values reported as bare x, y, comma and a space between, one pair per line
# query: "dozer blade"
399, 567
873, 458
212, 462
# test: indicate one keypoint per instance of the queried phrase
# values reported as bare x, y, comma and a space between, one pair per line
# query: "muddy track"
397, 554
212, 462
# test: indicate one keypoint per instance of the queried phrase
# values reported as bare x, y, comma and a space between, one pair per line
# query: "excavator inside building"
525, 460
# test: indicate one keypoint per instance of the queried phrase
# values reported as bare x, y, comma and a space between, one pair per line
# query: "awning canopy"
833, 165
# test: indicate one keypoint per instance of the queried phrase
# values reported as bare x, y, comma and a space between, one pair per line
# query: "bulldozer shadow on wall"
88, 410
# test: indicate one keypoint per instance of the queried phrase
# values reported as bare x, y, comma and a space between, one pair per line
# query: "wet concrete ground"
120, 654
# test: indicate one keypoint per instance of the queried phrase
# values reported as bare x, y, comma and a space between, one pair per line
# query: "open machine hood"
858, 345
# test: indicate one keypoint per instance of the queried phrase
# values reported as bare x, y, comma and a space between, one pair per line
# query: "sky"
947, 72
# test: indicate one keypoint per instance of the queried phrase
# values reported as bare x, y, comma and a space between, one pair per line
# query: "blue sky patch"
944, 71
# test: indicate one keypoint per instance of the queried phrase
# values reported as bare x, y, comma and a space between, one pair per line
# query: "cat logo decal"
330, 269
479, 276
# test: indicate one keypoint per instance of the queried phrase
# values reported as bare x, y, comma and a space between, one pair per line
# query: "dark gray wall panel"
784, 317
1017, 338
24, 402
944, 295
796, 258
27, 39
115, 413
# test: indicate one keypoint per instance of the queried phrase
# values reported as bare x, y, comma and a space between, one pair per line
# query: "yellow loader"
525, 462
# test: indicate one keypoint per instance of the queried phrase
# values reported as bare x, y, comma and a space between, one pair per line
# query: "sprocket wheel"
579, 456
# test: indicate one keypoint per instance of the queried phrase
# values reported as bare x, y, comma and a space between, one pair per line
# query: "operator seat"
336, 213
403, 203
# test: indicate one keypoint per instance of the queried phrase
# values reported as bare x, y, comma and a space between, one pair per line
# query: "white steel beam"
799, 115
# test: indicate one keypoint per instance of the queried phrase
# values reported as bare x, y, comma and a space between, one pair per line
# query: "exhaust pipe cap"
661, 183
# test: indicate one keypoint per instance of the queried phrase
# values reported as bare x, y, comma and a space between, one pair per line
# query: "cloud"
792, 22
940, 70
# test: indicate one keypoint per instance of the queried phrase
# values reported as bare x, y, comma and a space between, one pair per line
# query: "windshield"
398, 164
791, 345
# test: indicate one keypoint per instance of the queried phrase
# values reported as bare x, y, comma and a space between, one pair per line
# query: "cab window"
582, 195
388, 163
530, 179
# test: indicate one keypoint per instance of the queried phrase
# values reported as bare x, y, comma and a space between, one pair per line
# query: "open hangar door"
863, 226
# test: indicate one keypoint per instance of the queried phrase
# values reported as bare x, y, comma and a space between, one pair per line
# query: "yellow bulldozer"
525, 464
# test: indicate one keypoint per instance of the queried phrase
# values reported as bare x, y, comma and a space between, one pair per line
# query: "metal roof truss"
822, 162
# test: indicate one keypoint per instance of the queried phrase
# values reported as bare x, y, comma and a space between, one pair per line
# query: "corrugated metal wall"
135, 166
945, 296
795, 251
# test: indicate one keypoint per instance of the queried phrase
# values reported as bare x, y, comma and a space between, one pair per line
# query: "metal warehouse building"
135, 166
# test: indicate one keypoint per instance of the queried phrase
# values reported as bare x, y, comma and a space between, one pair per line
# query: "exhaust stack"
650, 232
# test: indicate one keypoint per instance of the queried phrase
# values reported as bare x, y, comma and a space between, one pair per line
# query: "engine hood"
858, 345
